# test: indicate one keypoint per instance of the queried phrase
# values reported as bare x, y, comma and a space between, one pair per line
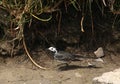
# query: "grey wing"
65, 56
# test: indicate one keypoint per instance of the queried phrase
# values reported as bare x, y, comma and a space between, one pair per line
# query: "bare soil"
19, 70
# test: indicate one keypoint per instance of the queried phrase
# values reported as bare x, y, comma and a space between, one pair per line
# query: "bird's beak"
47, 49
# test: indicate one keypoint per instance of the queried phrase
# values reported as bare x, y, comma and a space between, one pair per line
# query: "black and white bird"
63, 57
66, 57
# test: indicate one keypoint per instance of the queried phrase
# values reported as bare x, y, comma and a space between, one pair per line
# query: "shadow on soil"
72, 67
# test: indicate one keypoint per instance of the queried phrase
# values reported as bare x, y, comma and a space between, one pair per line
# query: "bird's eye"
52, 48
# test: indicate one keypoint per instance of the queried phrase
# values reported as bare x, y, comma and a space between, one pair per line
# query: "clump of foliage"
24, 11
21, 13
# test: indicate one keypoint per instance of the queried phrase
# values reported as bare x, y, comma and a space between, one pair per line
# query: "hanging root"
26, 50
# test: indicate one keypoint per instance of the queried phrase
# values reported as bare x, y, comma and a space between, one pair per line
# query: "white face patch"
52, 49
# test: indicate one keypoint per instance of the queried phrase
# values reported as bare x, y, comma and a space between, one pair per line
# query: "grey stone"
112, 77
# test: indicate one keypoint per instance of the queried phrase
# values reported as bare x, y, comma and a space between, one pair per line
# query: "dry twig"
28, 54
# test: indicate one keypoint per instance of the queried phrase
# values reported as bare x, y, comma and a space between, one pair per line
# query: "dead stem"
28, 54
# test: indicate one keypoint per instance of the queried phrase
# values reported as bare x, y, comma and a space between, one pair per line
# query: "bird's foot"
66, 64
60, 67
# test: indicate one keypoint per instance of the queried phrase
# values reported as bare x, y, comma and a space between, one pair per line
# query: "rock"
99, 52
112, 77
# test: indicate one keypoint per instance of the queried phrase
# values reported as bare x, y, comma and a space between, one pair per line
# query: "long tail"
79, 57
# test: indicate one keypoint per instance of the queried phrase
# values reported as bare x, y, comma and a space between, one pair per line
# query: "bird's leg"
63, 67
67, 64
59, 65
60, 68
62, 64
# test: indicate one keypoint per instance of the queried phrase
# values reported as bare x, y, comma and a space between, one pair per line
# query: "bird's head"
53, 49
